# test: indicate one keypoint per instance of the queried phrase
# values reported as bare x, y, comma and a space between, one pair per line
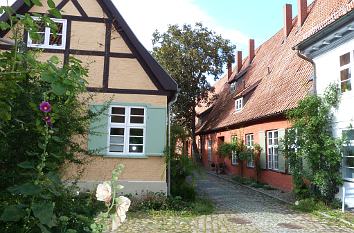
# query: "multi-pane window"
47, 38
273, 150
238, 104
234, 155
233, 87
126, 130
345, 72
249, 141
348, 154
209, 149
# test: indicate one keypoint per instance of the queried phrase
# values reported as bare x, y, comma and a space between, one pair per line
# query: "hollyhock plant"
45, 107
121, 209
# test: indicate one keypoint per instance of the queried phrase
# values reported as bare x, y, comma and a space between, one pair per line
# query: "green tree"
191, 55
310, 147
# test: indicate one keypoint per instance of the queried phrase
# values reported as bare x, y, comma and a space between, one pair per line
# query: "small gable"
92, 8
70, 9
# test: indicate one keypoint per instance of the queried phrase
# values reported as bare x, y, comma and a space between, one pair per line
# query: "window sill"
126, 156
45, 47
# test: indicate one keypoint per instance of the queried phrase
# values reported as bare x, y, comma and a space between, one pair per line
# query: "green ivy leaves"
44, 212
13, 213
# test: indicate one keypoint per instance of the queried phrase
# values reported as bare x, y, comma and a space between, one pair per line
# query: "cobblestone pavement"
239, 210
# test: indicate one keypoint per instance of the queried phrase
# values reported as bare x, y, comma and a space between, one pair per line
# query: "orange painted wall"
276, 179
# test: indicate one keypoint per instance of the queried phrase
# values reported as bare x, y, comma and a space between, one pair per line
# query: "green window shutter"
282, 160
156, 125
98, 132
262, 143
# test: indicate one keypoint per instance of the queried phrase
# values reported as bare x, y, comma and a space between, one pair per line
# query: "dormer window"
238, 104
47, 39
233, 87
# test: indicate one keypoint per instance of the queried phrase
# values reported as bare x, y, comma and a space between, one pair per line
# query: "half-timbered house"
133, 130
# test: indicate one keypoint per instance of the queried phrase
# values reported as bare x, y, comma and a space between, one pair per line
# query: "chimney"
288, 19
239, 60
251, 50
302, 14
229, 70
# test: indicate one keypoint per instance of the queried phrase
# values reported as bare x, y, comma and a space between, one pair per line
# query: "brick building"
254, 97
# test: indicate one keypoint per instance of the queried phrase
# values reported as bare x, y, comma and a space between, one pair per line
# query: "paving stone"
238, 209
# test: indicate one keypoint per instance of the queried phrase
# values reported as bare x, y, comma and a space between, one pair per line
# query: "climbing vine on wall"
314, 155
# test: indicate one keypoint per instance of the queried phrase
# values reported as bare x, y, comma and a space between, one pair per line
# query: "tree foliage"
310, 147
191, 55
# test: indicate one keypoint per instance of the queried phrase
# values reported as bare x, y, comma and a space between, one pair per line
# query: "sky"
236, 20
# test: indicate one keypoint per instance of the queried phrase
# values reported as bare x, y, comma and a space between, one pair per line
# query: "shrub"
42, 109
309, 205
160, 202
181, 168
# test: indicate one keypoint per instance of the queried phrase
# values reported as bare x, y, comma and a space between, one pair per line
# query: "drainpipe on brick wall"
303, 56
169, 143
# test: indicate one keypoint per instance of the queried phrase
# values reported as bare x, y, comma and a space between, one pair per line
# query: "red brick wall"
275, 179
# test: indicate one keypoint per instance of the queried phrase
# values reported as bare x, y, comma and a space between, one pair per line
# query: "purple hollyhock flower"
48, 121
45, 106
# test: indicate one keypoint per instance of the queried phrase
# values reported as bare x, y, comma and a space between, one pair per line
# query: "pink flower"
45, 107
104, 192
122, 208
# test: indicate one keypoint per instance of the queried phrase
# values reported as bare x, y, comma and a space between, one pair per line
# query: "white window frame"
210, 149
233, 154
238, 104
249, 142
273, 158
344, 67
47, 33
349, 143
127, 126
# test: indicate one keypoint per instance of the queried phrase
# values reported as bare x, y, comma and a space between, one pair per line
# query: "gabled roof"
339, 26
164, 79
143, 55
283, 77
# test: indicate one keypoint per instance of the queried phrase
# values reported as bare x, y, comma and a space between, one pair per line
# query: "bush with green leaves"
42, 108
314, 154
181, 168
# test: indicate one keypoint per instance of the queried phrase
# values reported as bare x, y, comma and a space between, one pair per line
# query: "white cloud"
144, 17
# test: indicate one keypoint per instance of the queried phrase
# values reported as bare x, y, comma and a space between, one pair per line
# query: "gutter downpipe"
169, 143
301, 55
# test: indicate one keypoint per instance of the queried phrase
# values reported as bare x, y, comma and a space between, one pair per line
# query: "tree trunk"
195, 151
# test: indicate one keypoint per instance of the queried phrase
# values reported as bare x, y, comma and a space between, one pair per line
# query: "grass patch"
315, 207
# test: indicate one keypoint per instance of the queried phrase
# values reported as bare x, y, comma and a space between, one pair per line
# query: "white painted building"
330, 48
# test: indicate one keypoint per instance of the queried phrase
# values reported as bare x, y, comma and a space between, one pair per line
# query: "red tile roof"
284, 78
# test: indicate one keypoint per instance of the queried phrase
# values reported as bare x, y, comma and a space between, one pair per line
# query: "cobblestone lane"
257, 211
239, 210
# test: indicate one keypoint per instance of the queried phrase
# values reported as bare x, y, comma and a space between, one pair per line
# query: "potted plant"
257, 149
225, 150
